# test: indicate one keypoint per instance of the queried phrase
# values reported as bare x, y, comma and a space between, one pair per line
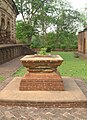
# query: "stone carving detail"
7, 24
9, 52
5, 37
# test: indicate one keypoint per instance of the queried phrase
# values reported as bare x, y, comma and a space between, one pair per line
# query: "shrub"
48, 49
42, 51
74, 46
63, 46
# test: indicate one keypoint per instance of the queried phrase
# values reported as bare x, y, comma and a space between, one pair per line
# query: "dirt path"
7, 69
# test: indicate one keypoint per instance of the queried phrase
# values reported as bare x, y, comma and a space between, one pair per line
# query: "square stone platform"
72, 96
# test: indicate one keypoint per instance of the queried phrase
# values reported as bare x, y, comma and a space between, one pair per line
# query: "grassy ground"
1, 78
72, 67
20, 72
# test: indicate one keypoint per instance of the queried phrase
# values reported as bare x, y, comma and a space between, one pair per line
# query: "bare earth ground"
31, 113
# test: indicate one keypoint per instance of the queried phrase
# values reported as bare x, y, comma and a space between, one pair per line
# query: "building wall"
11, 51
8, 18
82, 41
8, 52
86, 41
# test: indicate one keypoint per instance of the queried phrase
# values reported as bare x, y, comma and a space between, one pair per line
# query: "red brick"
42, 81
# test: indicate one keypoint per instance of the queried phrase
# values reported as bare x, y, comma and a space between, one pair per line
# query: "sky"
78, 4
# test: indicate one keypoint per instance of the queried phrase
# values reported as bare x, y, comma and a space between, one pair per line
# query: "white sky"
78, 4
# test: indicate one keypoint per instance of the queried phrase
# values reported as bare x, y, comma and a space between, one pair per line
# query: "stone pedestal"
42, 73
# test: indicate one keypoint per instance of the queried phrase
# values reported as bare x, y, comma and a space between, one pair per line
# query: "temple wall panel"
9, 15
10, 52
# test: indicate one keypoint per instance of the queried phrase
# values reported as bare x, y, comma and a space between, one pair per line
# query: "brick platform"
72, 97
42, 81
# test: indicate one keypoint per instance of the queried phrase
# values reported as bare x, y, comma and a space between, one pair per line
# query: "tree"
31, 11
83, 19
40, 15
66, 21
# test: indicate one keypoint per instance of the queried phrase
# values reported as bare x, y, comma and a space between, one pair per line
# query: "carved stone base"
41, 81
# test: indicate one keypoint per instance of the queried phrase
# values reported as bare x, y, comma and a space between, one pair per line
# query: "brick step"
42, 75
39, 80
41, 88
42, 81
40, 85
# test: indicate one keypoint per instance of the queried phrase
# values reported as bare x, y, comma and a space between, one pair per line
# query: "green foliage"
38, 16
35, 18
50, 40
66, 21
74, 46
20, 32
1, 78
83, 18
48, 49
42, 51
63, 46
36, 42
20, 72
24, 32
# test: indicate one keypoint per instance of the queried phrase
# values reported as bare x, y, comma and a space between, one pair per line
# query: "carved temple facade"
8, 13
8, 49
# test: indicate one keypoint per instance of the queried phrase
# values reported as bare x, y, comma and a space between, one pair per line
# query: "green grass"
71, 66
1, 78
20, 72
